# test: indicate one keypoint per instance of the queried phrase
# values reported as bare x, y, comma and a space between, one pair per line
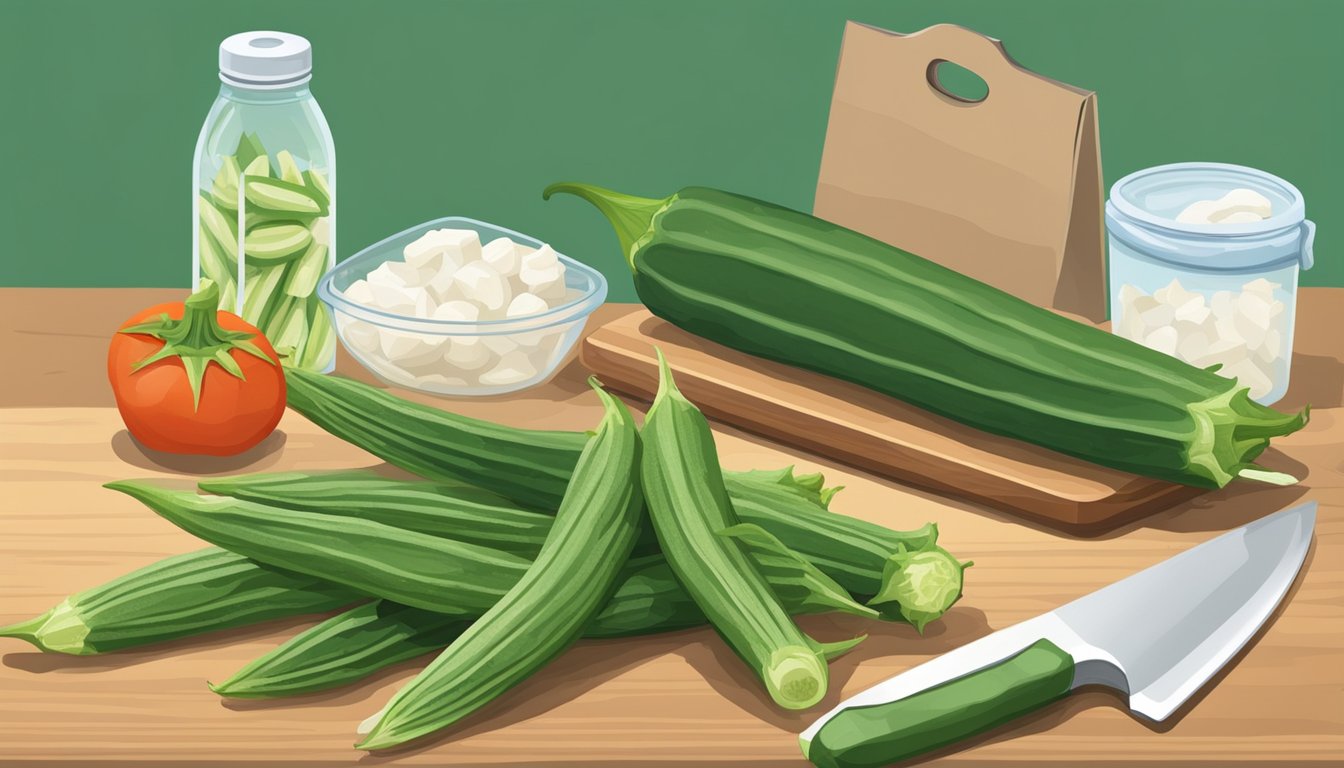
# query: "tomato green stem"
197, 339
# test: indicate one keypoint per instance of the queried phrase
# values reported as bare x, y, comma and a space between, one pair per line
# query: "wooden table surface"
674, 699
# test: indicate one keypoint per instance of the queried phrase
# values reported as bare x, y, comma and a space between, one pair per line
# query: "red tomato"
157, 403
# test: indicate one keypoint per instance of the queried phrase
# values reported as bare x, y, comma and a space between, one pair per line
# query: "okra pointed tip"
60, 630
136, 489
667, 385
374, 739
26, 629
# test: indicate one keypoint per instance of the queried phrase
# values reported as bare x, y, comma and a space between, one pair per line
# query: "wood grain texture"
676, 699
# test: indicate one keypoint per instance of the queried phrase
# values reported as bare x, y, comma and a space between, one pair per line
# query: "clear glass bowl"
464, 359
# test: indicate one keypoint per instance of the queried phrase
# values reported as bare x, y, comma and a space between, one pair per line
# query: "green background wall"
471, 108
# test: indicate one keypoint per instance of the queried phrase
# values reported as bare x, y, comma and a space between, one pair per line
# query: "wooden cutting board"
847, 422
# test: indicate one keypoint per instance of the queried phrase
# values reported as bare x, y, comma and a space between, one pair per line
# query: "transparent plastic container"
264, 195
457, 358
1221, 294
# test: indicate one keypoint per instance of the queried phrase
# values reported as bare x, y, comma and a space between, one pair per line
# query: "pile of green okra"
514, 544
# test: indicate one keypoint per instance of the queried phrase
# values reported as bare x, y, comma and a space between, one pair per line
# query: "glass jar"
264, 196
1221, 293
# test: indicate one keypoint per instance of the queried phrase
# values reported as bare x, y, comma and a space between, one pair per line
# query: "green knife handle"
882, 734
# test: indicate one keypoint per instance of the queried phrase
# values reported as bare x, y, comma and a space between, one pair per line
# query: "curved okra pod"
595, 529
689, 506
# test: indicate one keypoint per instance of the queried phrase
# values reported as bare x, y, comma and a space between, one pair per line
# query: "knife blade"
1156, 637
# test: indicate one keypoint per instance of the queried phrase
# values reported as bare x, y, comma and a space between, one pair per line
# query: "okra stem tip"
630, 216
796, 678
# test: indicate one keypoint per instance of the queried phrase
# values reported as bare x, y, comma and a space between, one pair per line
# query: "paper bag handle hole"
957, 82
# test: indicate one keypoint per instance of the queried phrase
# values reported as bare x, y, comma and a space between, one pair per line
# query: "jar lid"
1155, 196
265, 59
1143, 208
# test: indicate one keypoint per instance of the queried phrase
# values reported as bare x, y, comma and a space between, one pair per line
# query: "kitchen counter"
674, 699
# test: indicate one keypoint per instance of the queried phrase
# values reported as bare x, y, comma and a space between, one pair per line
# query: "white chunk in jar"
1240, 331
1237, 206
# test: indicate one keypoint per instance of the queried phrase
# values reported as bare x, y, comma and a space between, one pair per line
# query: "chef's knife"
1156, 637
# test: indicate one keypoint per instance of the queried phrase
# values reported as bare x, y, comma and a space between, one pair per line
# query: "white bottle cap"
265, 60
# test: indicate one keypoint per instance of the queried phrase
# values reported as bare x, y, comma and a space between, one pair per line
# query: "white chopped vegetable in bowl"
460, 307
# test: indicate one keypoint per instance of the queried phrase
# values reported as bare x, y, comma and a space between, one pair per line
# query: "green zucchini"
689, 506
594, 532
789, 287
185, 595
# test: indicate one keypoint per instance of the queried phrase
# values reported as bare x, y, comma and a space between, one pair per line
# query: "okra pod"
531, 467
689, 506
184, 595
594, 532
454, 511
213, 590
412, 568
649, 599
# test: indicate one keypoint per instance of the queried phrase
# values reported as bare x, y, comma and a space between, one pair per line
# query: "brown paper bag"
1006, 189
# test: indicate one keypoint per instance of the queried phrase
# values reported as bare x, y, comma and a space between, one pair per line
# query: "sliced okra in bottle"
259, 167
260, 293
282, 197
224, 190
271, 244
249, 149
287, 169
215, 268
256, 217
290, 324
223, 229
321, 340
317, 184
305, 272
